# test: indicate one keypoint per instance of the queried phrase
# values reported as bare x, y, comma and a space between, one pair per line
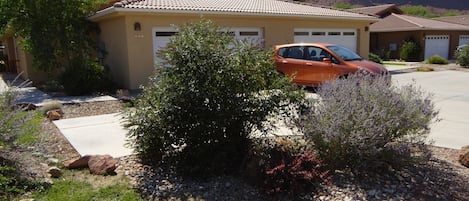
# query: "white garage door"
161, 36
436, 45
344, 37
463, 39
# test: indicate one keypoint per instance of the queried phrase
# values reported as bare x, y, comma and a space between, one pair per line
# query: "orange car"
310, 64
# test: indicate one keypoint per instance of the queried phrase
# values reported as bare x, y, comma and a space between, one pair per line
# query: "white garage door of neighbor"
344, 37
463, 39
161, 36
436, 45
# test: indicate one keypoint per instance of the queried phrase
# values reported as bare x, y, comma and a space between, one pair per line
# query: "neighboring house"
132, 31
460, 19
435, 37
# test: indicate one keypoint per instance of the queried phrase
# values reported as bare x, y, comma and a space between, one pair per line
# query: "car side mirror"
327, 60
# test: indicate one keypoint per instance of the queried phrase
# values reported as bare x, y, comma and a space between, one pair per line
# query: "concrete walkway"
102, 134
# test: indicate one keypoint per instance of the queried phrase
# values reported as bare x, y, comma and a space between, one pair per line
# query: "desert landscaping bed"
442, 178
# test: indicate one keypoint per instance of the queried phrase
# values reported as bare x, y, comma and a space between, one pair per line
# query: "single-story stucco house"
132, 31
434, 36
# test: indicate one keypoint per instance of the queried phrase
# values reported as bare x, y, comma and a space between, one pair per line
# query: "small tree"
462, 56
362, 121
202, 104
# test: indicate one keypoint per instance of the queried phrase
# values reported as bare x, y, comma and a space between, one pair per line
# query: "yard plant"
410, 51
462, 56
205, 99
364, 121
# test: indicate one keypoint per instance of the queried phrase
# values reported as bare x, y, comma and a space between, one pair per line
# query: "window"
349, 33
295, 53
318, 33
302, 33
333, 33
165, 33
248, 33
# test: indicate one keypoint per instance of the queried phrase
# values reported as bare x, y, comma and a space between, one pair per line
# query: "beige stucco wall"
131, 52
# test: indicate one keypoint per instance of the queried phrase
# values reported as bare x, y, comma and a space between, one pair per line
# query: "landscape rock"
52, 161
81, 162
102, 164
54, 172
464, 156
53, 115
25, 106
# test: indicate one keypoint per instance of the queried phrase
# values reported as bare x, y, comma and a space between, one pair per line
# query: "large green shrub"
363, 121
201, 105
462, 56
437, 59
410, 51
85, 77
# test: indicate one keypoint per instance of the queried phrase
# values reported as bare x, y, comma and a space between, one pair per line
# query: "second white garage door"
344, 37
161, 36
436, 45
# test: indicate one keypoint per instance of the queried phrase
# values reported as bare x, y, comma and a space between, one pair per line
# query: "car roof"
304, 44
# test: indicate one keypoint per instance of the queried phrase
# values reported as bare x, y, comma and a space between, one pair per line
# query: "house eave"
114, 10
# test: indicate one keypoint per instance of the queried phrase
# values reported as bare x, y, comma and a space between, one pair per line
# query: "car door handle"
309, 64
284, 62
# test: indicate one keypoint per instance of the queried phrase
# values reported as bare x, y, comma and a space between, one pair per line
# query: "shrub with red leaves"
295, 174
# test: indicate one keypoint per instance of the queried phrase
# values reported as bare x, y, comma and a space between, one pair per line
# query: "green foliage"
200, 107
284, 165
364, 122
437, 59
343, 5
83, 191
16, 125
419, 11
84, 77
11, 184
375, 58
54, 32
462, 56
410, 51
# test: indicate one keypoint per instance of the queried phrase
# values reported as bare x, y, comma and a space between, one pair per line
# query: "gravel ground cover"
442, 178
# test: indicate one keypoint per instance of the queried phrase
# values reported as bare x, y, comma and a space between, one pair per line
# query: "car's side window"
312, 53
295, 52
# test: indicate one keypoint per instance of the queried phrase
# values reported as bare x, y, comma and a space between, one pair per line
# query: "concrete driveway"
451, 96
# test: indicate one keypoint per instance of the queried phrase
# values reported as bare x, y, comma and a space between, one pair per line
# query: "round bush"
364, 121
198, 110
462, 56
437, 59
410, 51
85, 77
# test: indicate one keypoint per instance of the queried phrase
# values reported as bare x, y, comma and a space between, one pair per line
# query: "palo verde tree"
55, 32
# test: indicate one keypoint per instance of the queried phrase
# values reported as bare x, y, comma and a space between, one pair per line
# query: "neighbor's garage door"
463, 39
437, 45
344, 37
161, 36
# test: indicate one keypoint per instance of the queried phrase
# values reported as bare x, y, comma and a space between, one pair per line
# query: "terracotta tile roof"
395, 22
378, 10
255, 7
460, 19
